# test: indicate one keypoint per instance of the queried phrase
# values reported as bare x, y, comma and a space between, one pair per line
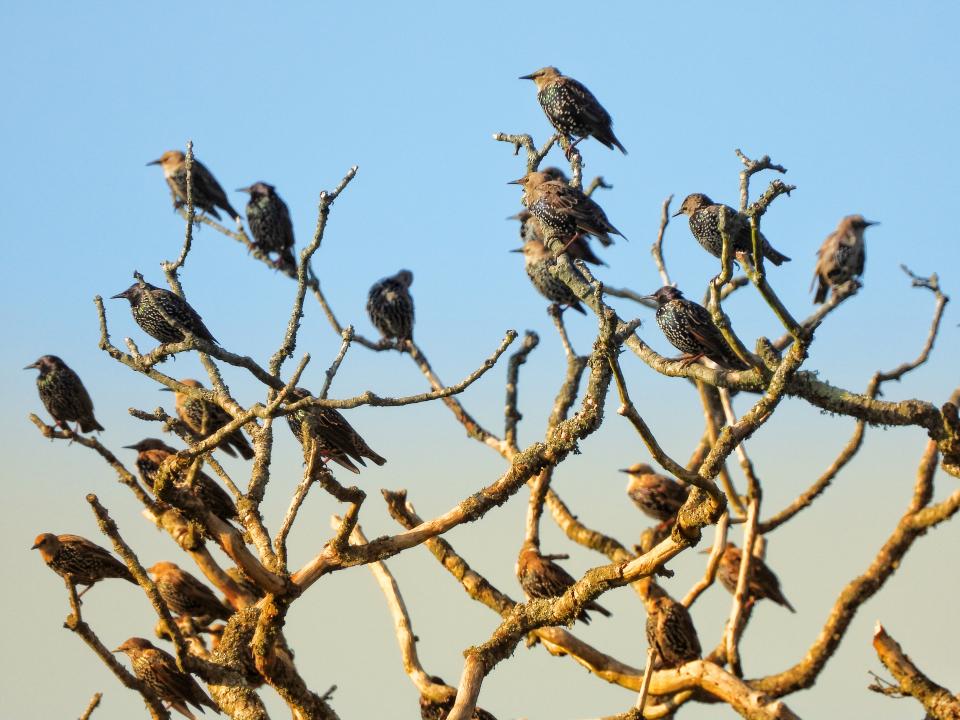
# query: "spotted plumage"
185, 595
763, 583
531, 230
541, 577
86, 562
151, 306
430, 710
63, 394
537, 261
158, 670
336, 438
206, 191
390, 306
670, 629
841, 257
205, 418
705, 216
657, 496
689, 328
571, 108
269, 220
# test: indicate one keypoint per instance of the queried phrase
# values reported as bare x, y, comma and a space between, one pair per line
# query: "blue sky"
859, 100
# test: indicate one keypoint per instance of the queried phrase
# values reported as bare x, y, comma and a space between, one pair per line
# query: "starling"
151, 306
571, 108
269, 221
430, 710
185, 595
541, 577
207, 193
564, 211
670, 629
842, 255
762, 584
689, 328
85, 562
205, 418
705, 225
63, 394
657, 496
151, 452
158, 671
390, 306
578, 249
537, 259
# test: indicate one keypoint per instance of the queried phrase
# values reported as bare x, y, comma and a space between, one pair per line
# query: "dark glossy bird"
430, 710
205, 418
151, 453
841, 257
540, 577
335, 437
537, 261
690, 329
85, 562
63, 394
531, 230
670, 629
207, 193
657, 496
269, 220
158, 670
704, 217
185, 595
151, 306
762, 583
390, 306
571, 108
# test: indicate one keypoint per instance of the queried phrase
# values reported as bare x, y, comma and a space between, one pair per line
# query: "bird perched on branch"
86, 563
763, 583
689, 328
185, 595
530, 230
206, 191
205, 418
335, 437
390, 306
161, 314
537, 261
705, 217
571, 108
670, 629
541, 577
657, 496
63, 394
269, 220
158, 670
841, 257
430, 710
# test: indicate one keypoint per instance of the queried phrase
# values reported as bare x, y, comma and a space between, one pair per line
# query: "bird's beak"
118, 296
526, 77
519, 250
166, 389
152, 162
512, 217
246, 189
35, 546
517, 182
119, 649
624, 470
649, 297
33, 366
868, 223
678, 212
129, 447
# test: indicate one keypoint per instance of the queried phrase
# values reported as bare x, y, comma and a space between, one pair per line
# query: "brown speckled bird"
63, 394
151, 306
841, 257
705, 225
86, 562
158, 670
571, 108
537, 262
390, 306
430, 710
185, 595
670, 629
207, 193
205, 418
531, 231
540, 577
657, 496
762, 583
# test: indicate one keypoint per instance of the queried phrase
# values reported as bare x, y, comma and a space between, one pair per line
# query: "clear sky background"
859, 100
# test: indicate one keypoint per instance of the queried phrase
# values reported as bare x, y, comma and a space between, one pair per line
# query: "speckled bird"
841, 257
390, 306
205, 418
689, 328
185, 595
149, 304
704, 217
430, 710
670, 629
531, 230
537, 261
541, 577
63, 394
86, 562
158, 670
657, 496
269, 220
336, 438
207, 193
763, 582
571, 108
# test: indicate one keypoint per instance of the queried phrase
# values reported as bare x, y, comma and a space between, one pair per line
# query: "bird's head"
45, 364
170, 161
47, 544
543, 77
133, 646
665, 295
692, 203
258, 190
150, 444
